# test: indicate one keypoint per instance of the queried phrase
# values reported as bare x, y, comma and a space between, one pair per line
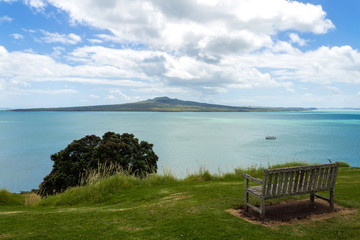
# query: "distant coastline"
165, 104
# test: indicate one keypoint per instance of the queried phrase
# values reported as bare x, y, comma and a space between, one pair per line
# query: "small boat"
270, 137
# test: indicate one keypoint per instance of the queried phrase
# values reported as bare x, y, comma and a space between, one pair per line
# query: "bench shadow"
291, 212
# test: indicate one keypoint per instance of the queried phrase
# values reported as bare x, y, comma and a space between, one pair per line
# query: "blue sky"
58, 53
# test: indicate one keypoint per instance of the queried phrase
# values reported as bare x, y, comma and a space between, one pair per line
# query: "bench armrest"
252, 178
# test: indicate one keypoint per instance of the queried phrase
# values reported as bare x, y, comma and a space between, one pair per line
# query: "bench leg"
246, 197
331, 200
246, 201
312, 197
262, 208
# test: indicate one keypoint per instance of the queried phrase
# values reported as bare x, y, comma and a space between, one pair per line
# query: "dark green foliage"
343, 164
93, 152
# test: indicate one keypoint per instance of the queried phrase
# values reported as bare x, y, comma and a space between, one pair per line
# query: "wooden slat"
315, 178
312, 175
321, 170
301, 181
286, 182
291, 181
333, 177
296, 181
331, 170
268, 188
306, 181
281, 183
290, 169
274, 184
325, 179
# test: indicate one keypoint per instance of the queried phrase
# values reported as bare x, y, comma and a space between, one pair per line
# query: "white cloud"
51, 91
60, 38
334, 90
198, 27
110, 97
95, 41
119, 95
94, 96
5, 19
147, 68
294, 38
17, 36
36, 4
323, 65
58, 51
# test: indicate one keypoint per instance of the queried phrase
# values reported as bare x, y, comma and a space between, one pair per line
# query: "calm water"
184, 142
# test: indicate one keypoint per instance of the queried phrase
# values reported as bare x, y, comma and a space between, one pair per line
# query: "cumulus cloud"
324, 65
144, 69
294, 38
37, 4
5, 19
17, 36
334, 90
198, 27
52, 91
60, 38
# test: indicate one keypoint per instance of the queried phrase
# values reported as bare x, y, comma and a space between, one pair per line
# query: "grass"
163, 207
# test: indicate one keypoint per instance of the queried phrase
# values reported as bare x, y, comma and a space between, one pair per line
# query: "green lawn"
165, 208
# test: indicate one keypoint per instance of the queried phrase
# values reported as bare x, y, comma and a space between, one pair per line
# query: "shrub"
343, 164
93, 152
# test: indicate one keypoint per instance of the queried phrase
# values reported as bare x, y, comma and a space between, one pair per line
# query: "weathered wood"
306, 180
269, 184
291, 182
283, 182
274, 185
252, 178
246, 200
286, 182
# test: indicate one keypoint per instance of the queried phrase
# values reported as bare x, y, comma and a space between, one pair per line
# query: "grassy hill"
163, 207
165, 104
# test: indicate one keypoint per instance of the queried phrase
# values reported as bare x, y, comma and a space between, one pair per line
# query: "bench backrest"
299, 180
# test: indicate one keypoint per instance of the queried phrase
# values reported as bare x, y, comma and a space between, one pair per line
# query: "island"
166, 104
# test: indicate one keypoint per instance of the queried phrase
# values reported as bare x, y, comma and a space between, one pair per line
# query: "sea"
184, 141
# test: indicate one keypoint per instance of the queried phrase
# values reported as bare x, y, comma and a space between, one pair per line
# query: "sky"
278, 53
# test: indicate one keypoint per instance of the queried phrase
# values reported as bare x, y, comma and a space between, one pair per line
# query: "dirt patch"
177, 196
132, 229
292, 212
4, 236
12, 212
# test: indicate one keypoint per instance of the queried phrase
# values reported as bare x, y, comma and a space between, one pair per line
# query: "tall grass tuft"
8, 198
289, 164
97, 191
31, 198
99, 185
202, 175
103, 171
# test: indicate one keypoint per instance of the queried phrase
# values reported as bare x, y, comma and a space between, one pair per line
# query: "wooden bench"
284, 182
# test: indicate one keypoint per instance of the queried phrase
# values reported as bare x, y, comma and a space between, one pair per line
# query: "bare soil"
292, 212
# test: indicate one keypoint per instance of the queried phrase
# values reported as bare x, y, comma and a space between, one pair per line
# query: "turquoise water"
184, 142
